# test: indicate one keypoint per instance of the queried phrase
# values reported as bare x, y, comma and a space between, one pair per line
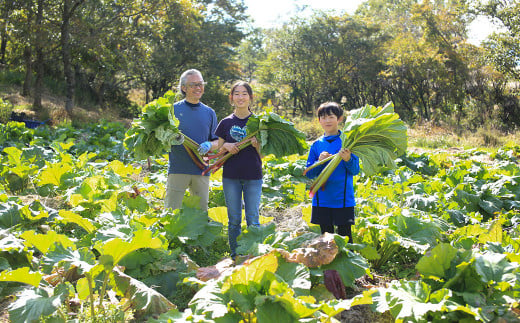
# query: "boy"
333, 205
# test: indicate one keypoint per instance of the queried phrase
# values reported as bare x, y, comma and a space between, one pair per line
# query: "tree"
325, 58
250, 53
39, 45
504, 46
68, 9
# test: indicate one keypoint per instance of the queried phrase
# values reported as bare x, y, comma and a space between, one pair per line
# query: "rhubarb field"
84, 238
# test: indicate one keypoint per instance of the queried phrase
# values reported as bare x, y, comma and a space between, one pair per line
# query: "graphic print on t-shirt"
238, 133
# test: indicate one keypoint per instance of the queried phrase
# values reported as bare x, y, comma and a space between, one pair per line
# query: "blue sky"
269, 13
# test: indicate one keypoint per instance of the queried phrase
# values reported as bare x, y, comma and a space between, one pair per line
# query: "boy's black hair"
329, 108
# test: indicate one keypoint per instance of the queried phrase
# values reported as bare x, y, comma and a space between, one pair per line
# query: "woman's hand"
230, 147
255, 143
345, 154
324, 155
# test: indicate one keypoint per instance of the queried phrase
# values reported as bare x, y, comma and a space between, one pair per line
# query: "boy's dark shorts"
332, 216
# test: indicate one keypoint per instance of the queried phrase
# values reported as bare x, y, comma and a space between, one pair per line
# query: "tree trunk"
147, 93
39, 58
3, 31
65, 51
3, 43
27, 56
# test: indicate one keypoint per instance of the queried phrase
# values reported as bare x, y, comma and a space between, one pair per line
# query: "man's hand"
204, 147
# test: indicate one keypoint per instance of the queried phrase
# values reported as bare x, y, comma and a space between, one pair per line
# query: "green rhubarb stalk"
324, 175
318, 163
376, 135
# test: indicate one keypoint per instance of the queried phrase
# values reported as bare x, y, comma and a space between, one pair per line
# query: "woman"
242, 173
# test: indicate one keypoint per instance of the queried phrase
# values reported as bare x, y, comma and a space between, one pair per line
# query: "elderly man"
197, 121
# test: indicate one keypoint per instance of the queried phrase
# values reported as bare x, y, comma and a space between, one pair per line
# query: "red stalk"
200, 164
226, 155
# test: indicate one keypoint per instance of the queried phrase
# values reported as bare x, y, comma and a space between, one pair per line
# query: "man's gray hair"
184, 76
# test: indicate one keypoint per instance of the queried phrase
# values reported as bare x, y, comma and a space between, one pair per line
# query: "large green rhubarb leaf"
276, 135
437, 262
376, 135
156, 130
32, 304
410, 301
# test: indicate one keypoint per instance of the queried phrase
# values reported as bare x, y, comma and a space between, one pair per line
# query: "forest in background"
414, 53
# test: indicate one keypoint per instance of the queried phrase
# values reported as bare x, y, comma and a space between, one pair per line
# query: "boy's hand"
324, 155
345, 154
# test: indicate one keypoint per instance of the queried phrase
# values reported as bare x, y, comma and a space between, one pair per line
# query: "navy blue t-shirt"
247, 164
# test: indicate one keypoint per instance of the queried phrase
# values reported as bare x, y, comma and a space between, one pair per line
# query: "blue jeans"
234, 189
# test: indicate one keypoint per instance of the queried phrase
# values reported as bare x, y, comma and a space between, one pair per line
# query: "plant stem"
91, 295
318, 163
219, 162
325, 174
192, 149
103, 290
195, 157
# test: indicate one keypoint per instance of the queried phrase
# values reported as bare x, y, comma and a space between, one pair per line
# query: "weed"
310, 127
435, 142
11, 77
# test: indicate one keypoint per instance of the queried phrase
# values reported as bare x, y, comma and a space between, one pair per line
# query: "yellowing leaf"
14, 155
66, 146
493, 235
146, 221
110, 205
306, 214
69, 216
82, 288
300, 192
117, 248
218, 214
76, 199
84, 158
52, 173
265, 219
121, 169
216, 176
43, 242
252, 272
21, 275
26, 211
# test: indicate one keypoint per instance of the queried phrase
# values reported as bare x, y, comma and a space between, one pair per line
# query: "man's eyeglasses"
194, 85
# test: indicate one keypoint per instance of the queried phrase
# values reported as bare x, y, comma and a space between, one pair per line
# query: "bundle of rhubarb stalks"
375, 134
156, 130
275, 135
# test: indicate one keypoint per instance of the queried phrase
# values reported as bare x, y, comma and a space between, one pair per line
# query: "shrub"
5, 110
